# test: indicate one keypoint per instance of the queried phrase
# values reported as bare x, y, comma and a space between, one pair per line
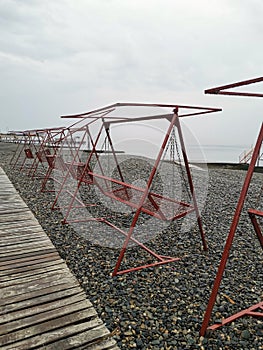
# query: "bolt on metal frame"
257, 309
146, 196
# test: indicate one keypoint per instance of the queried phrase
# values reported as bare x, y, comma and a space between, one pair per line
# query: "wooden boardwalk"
42, 305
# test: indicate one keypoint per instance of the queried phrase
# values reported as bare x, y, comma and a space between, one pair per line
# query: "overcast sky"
69, 56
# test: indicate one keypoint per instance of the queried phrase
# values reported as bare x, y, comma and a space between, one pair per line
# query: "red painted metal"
231, 235
205, 325
18, 139
144, 196
34, 146
188, 171
29, 146
253, 213
254, 311
220, 90
203, 110
148, 200
53, 139
75, 168
48, 146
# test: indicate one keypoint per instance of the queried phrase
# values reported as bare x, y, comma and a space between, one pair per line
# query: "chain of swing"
174, 147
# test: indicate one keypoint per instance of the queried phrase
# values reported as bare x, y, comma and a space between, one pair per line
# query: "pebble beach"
163, 307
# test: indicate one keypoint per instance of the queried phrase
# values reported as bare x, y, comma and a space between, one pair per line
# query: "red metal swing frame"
36, 145
55, 138
146, 196
67, 169
257, 309
25, 149
19, 135
47, 148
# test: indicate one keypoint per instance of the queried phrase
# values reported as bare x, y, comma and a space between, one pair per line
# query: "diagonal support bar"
231, 234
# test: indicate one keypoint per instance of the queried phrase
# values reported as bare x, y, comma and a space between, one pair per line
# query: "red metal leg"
252, 214
231, 234
191, 185
145, 194
254, 311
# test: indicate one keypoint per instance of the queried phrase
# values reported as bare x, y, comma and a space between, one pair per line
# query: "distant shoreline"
10, 147
232, 166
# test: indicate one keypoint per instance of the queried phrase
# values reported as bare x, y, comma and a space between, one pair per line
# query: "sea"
217, 153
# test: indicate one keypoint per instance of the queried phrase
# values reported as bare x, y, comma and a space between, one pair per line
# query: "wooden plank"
4, 211
7, 191
12, 219
41, 303
16, 279
50, 266
17, 226
21, 236
15, 221
27, 265
26, 217
25, 246
95, 327
25, 253
40, 297
14, 240
48, 315
30, 259
6, 215
34, 285
10, 314
96, 337
38, 329
23, 239
16, 232
10, 206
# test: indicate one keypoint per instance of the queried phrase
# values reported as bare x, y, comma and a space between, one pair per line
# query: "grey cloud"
59, 57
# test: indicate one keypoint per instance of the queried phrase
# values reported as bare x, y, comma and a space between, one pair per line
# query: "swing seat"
157, 205
253, 213
42, 155
77, 171
29, 153
56, 162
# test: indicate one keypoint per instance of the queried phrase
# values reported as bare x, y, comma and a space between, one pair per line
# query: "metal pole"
190, 180
145, 194
231, 234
